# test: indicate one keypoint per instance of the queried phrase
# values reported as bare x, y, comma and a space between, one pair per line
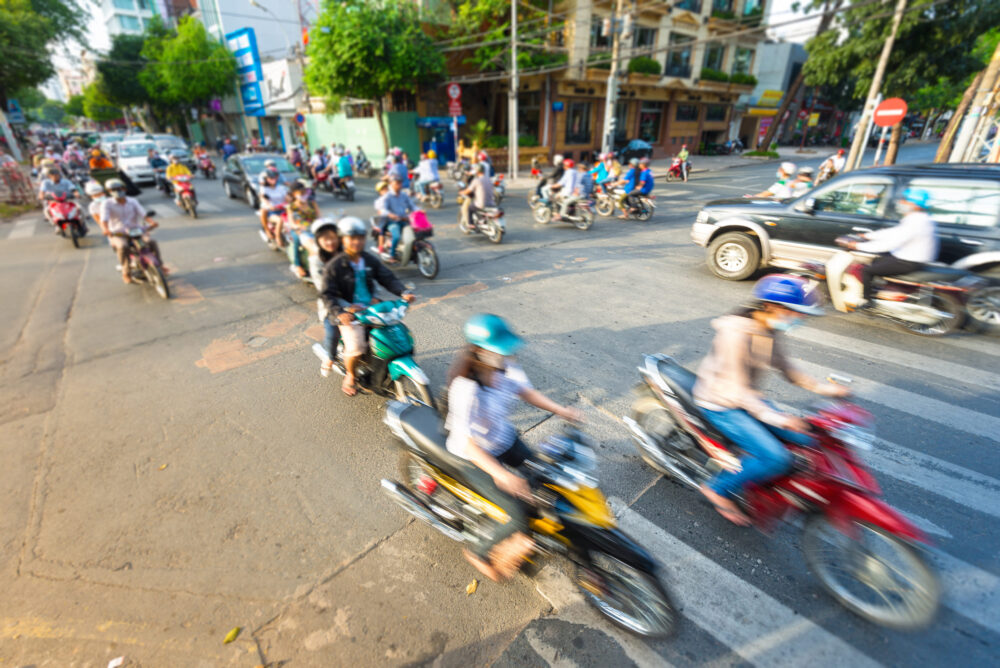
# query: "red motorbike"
206, 166
866, 554
184, 191
68, 217
676, 170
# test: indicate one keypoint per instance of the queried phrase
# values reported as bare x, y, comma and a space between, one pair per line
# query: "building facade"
128, 16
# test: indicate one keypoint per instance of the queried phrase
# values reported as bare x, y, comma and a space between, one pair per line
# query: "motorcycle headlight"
702, 218
855, 436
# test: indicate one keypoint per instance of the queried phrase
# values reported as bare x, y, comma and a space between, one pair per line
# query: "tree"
29, 98
118, 73
188, 67
27, 29
484, 26
74, 106
369, 50
96, 107
51, 111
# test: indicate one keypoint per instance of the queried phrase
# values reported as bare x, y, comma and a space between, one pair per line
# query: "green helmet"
491, 332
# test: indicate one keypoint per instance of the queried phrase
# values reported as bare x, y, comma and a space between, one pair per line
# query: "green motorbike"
388, 367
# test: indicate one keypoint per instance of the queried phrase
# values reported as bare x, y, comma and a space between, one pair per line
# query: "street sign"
803, 114
14, 113
814, 119
300, 119
455, 91
455, 108
890, 112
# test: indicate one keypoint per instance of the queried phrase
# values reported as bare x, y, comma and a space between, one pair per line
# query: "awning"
758, 111
437, 121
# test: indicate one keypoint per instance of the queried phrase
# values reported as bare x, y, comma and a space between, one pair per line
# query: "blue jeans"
396, 231
765, 457
421, 186
331, 338
295, 250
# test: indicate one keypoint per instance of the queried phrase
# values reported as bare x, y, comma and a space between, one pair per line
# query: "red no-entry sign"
890, 112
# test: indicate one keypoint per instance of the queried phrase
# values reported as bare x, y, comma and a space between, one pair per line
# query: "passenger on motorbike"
644, 181
566, 191
630, 186
400, 170
273, 197
327, 246
544, 188
302, 212
427, 172
607, 171
345, 169
397, 206
478, 195
349, 286
831, 166
54, 186
745, 345
782, 188
119, 215
484, 383
905, 247
318, 163
174, 169
803, 182
586, 185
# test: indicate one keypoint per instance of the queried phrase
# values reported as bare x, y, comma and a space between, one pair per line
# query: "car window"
863, 197
256, 164
965, 202
234, 165
134, 149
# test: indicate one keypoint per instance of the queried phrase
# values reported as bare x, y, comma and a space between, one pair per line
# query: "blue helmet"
789, 291
491, 332
917, 197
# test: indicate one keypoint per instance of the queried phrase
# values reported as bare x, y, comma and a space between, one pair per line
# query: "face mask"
786, 325
779, 174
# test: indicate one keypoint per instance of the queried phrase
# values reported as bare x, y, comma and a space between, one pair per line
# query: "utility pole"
611, 96
514, 85
864, 125
979, 107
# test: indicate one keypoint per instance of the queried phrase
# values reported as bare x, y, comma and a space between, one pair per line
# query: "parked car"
108, 142
637, 148
742, 236
241, 171
133, 159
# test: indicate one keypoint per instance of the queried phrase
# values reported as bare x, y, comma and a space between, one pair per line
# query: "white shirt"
483, 413
914, 239
569, 181
800, 188
275, 194
427, 170
95, 207
838, 162
122, 217
780, 190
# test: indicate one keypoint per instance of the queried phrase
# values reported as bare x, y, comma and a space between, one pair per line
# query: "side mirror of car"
808, 205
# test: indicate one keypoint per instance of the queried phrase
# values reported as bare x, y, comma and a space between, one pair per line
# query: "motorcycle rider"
484, 383
427, 172
607, 171
120, 214
349, 286
831, 166
270, 168
566, 191
782, 188
746, 344
174, 169
228, 149
318, 163
397, 206
326, 247
345, 168
544, 188
803, 182
273, 196
478, 195
381, 219
158, 165
683, 155
400, 170
99, 161
905, 247
52, 187
630, 185
302, 212
95, 191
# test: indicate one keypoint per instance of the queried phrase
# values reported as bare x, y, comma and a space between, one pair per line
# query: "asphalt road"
175, 469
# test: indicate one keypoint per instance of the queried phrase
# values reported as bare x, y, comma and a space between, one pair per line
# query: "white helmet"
557, 159
322, 223
93, 188
788, 168
351, 226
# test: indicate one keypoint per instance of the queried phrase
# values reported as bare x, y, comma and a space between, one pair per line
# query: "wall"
401, 126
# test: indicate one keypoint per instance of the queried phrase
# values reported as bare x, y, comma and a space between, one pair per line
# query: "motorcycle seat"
423, 234
682, 381
424, 427
931, 273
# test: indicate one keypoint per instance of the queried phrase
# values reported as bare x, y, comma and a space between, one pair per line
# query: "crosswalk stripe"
951, 415
950, 481
756, 626
978, 344
23, 228
958, 372
209, 207
969, 591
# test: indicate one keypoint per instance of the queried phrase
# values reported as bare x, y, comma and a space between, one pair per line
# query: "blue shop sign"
557, 106
438, 121
243, 45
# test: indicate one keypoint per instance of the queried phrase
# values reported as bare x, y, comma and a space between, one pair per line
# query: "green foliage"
763, 154
600, 61
51, 111
723, 14
29, 98
644, 65
27, 29
484, 26
743, 79
497, 141
478, 132
74, 106
96, 107
368, 50
118, 74
932, 44
187, 67
527, 141
708, 74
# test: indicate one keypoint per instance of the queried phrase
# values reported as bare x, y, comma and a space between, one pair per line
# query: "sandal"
326, 368
349, 388
725, 507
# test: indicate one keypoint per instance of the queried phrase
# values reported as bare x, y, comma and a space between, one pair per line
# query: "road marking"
23, 228
957, 372
208, 206
951, 415
667, 192
971, 592
756, 626
975, 344
926, 525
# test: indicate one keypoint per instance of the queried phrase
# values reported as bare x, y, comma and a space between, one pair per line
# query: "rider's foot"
326, 368
482, 566
300, 272
126, 277
348, 385
725, 506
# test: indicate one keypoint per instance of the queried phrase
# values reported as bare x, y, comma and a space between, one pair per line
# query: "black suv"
744, 235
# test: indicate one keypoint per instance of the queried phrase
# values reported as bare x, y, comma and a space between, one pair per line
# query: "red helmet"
841, 151
568, 164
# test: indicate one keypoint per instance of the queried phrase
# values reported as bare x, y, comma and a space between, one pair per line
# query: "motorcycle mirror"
839, 379
808, 206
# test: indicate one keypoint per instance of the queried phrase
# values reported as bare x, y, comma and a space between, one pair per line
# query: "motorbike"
274, 216
68, 217
676, 170
644, 206
413, 245
865, 553
342, 188
323, 180
499, 188
388, 367
569, 517
580, 213
459, 170
604, 201
162, 182
434, 197
206, 166
489, 222
185, 191
929, 302
142, 262
366, 168
826, 172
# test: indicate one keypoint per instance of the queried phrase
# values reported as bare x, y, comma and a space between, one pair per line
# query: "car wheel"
250, 198
733, 256
228, 189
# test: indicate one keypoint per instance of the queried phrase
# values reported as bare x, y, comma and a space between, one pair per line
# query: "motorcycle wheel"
542, 214
645, 212
427, 261
670, 177
193, 209
863, 582
435, 200
584, 220
984, 309
656, 421
533, 199
493, 232
946, 304
605, 206
408, 389
158, 281
632, 599
74, 234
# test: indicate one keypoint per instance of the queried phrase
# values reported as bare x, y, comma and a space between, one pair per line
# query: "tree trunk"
379, 107
948, 140
893, 150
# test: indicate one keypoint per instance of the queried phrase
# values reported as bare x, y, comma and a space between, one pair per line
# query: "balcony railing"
677, 70
693, 6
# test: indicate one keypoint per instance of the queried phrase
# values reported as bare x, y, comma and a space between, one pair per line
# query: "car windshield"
135, 149
255, 164
170, 143
111, 137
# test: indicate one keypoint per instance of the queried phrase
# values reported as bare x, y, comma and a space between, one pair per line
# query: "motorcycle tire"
644, 213
916, 613
74, 234
655, 420
605, 206
493, 232
941, 302
427, 261
584, 220
435, 200
983, 308
159, 282
193, 210
648, 610
542, 214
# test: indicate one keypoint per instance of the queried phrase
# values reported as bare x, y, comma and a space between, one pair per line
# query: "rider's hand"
834, 390
345, 318
570, 414
515, 485
795, 423
408, 297
152, 224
